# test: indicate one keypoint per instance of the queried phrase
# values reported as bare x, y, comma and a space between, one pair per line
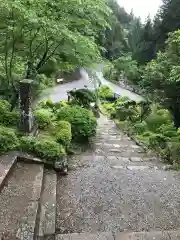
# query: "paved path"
59, 92
115, 186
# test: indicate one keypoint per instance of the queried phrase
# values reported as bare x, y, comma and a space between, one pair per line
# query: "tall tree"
167, 20
141, 40
34, 32
114, 38
162, 76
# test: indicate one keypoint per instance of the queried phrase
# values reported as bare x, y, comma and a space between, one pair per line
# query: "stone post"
26, 118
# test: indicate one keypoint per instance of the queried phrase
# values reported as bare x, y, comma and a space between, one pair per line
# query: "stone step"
153, 235
85, 236
47, 211
19, 201
6, 164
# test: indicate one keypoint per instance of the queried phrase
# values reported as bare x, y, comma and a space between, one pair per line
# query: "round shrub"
168, 130
27, 144
82, 121
8, 139
43, 118
155, 120
83, 97
158, 141
4, 106
105, 93
6, 116
48, 149
140, 128
10, 118
63, 133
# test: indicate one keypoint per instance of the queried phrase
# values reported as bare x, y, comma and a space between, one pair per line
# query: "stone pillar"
26, 118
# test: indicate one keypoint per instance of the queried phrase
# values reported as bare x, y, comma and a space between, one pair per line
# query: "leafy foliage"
8, 117
82, 121
43, 118
161, 76
8, 139
83, 97
63, 133
105, 93
46, 149
37, 35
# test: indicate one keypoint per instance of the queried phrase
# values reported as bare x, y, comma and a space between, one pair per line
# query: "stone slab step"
6, 164
28, 222
85, 236
19, 201
154, 235
47, 213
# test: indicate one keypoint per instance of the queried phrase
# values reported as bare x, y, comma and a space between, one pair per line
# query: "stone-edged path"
114, 187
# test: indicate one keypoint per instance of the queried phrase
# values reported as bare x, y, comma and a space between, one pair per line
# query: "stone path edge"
2, 182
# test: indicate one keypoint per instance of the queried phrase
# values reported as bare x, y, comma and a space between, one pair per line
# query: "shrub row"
150, 124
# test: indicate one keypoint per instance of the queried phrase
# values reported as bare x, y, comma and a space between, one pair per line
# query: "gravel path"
116, 186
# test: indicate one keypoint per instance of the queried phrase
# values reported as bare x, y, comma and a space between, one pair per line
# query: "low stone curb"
7, 168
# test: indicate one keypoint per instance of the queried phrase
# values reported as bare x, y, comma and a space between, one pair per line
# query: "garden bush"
53, 106
105, 93
82, 121
43, 118
83, 97
8, 139
44, 148
8, 117
27, 144
140, 127
63, 133
48, 149
158, 141
168, 130
125, 113
156, 119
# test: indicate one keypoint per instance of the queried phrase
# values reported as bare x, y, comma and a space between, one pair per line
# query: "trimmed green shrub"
121, 100
63, 133
125, 113
8, 139
158, 141
7, 117
105, 93
168, 130
83, 97
155, 120
82, 121
4, 106
49, 104
44, 148
27, 144
140, 128
43, 118
48, 149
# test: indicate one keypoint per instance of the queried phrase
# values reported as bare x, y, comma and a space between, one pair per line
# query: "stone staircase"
113, 187
27, 200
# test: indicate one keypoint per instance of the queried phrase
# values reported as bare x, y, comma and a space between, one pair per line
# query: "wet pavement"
59, 92
116, 186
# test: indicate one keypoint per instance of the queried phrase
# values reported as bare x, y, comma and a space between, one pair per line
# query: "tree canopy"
34, 33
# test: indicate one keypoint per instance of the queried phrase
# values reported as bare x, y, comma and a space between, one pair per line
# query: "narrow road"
116, 186
59, 92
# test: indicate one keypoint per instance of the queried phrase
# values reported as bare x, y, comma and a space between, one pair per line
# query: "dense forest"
147, 57
149, 53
